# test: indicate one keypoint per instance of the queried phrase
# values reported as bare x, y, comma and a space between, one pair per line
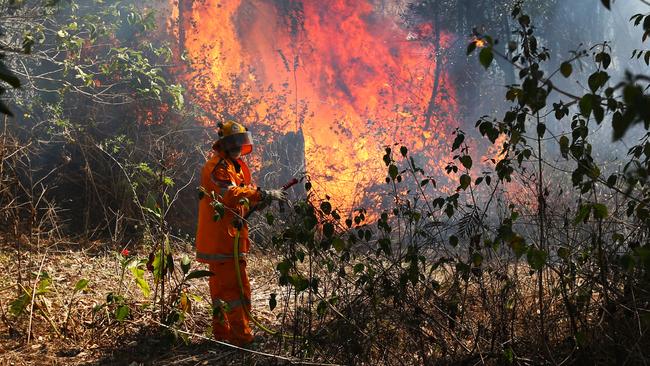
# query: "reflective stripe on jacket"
230, 181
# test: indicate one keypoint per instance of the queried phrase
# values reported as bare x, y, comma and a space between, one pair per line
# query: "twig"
288, 359
31, 310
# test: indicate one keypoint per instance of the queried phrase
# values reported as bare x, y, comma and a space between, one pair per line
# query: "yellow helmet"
233, 135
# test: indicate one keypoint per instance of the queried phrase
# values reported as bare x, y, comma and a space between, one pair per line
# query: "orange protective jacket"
230, 181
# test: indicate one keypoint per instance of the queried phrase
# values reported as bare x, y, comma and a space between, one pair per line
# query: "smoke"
586, 24
626, 37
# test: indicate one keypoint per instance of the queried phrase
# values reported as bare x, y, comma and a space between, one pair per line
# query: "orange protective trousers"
232, 325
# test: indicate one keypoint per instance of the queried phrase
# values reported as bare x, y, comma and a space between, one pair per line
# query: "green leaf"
536, 258
338, 244
471, 47
219, 210
566, 69
283, 267
272, 301
170, 263
518, 245
321, 308
299, 282
611, 181
245, 202
583, 214
511, 95
627, 262
599, 113
477, 259
586, 104
8, 76
449, 210
392, 171
620, 125
600, 211
81, 285
270, 219
466, 160
185, 264
460, 137
326, 207
563, 253
198, 274
122, 312
44, 284
19, 305
144, 286
486, 56
508, 353
564, 147
607, 60
524, 20
597, 80
385, 245
138, 274
465, 181
328, 229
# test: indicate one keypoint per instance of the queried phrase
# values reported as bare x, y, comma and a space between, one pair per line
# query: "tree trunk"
438, 60
184, 22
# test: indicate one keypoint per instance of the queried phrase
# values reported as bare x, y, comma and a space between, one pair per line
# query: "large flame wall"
366, 80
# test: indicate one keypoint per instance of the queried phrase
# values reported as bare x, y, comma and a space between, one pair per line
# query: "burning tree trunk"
184, 18
438, 66
283, 159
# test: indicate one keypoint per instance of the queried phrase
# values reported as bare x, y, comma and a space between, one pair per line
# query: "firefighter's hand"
276, 195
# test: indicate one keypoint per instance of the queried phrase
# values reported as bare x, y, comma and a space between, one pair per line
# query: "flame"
366, 79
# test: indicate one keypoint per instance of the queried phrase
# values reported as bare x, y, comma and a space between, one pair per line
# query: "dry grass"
490, 314
92, 337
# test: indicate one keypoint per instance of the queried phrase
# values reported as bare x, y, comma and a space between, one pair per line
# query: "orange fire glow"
367, 81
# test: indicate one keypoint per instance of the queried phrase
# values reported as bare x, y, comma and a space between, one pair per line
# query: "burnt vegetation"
535, 253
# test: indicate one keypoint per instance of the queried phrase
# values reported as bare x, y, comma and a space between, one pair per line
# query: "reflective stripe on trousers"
232, 304
217, 257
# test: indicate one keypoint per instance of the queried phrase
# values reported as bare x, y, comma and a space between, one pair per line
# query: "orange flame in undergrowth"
479, 43
367, 81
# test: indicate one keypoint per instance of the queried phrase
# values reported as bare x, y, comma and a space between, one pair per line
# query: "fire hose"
243, 299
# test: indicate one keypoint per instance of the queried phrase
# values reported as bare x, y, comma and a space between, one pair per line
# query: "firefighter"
227, 178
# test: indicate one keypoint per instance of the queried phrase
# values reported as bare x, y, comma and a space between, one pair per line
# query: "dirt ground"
91, 338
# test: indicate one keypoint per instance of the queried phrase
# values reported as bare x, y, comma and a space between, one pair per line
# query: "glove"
274, 194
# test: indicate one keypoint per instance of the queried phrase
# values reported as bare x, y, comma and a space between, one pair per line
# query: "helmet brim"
243, 141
